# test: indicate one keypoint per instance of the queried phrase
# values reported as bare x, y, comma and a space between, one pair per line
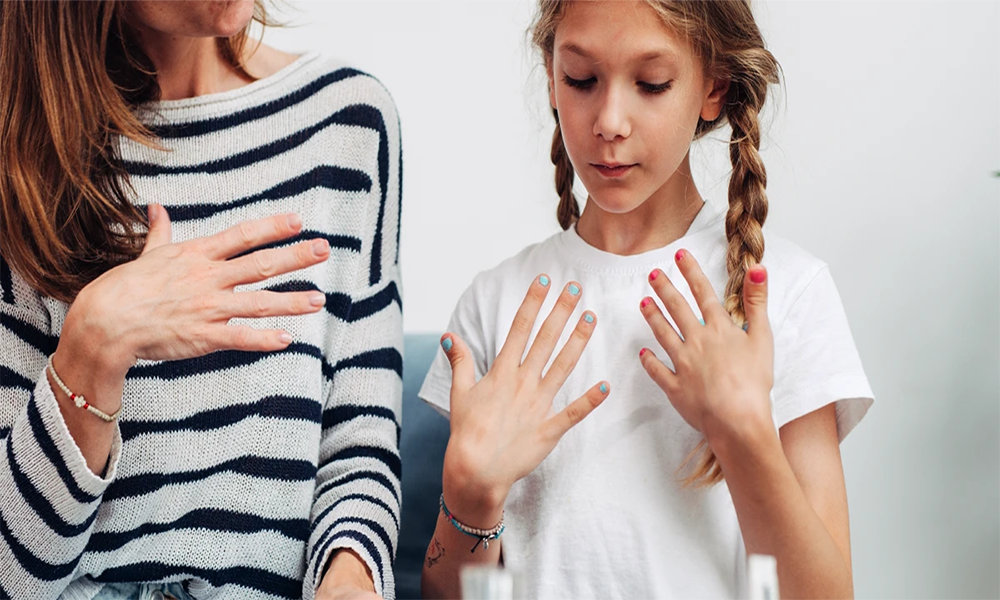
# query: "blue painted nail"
573, 289
702, 321
604, 389
745, 325
446, 344
543, 280
588, 318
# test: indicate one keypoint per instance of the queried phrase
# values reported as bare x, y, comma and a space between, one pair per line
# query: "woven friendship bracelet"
79, 400
484, 535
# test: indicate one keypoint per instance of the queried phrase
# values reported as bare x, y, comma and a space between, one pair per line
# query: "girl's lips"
613, 170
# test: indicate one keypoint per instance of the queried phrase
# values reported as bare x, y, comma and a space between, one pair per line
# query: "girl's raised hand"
501, 427
175, 301
722, 375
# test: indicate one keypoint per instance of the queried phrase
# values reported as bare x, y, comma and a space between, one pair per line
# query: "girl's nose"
612, 118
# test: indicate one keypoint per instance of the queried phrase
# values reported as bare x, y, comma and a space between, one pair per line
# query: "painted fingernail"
294, 221
654, 274
446, 344
745, 326
702, 321
543, 280
319, 247
317, 299
679, 255
758, 276
604, 388
574, 289
588, 318
641, 352
285, 337
645, 302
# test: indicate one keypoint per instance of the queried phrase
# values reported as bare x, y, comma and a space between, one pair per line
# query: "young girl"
732, 392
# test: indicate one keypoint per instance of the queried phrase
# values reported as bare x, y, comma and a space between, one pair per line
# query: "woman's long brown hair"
726, 38
71, 76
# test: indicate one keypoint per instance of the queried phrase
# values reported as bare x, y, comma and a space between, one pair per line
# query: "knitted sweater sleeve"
357, 500
48, 496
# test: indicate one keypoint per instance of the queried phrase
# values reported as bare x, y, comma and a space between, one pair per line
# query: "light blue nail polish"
702, 321
573, 289
745, 325
604, 389
446, 344
588, 318
543, 280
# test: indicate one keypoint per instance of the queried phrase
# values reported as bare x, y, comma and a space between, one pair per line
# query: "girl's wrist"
474, 505
743, 435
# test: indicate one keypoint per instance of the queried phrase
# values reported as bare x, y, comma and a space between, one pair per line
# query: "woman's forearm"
776, 518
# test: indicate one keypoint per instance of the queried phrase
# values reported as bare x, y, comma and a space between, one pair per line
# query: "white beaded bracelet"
79, 400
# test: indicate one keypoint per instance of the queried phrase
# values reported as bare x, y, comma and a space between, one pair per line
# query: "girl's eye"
580, 84
655, 88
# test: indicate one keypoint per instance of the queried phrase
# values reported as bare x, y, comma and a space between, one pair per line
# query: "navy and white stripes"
240, 473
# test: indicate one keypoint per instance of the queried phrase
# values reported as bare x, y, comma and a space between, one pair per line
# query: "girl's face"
629, 94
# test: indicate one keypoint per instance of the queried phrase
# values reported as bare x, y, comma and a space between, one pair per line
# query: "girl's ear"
715, 100
552, 86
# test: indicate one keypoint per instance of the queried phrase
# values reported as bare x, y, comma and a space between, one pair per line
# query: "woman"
209, 409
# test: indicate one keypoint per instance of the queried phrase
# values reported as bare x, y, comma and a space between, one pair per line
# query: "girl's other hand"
175, 301
722, 376
501, 427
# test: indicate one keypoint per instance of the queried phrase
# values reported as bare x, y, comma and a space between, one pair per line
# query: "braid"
569, 210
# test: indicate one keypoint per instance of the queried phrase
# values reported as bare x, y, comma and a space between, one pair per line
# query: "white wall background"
880, 157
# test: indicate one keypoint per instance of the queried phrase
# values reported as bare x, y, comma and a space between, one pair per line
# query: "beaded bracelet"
484, 535
79, 400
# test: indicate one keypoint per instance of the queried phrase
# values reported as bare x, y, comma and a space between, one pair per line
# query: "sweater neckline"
237, 94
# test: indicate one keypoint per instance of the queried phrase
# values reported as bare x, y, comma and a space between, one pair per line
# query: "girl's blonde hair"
724, 35
72, 76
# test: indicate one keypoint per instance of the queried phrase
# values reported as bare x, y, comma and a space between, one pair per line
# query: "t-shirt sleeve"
467, 322
816, 361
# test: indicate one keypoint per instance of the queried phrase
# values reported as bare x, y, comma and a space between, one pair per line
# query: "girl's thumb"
463, 374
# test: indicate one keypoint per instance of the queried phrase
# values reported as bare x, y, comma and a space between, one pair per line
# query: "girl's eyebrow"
664, 53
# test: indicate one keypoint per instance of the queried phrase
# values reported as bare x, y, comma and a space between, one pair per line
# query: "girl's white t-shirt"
605, 515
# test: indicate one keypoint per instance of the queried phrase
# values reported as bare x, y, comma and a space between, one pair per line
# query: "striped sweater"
238, 473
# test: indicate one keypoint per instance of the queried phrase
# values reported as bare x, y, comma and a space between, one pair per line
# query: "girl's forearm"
776, 518
447, 553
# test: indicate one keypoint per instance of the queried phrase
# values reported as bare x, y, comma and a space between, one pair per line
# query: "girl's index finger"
701, 287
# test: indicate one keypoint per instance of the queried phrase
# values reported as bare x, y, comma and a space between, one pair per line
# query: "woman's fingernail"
758, 276
543, 280
574, 289
588, 318
645, 301
152, 213
294, 221
317, 299
654, 274
319, 247
285, 337
679, 255
446, 344
604, 388
641, 352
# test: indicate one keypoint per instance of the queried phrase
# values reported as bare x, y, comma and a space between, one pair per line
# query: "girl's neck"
189, 66
659, 221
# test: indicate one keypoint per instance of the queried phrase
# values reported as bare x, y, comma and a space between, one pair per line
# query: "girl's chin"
618, 202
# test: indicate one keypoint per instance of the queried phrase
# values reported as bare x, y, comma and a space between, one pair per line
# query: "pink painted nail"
654, 274
645, 301
679, 255
758, 276
641, 352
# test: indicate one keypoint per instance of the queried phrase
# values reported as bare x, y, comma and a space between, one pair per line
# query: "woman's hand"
175, 300
501, 428
722, 376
